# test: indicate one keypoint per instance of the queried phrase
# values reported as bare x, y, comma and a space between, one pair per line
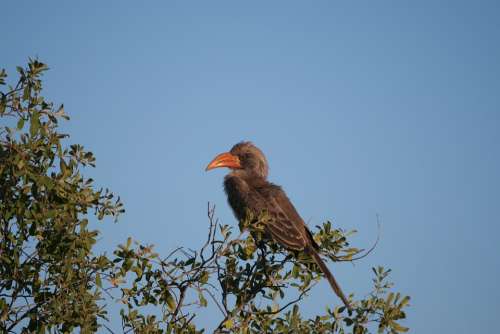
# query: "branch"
296, 300
341, 259
179, 304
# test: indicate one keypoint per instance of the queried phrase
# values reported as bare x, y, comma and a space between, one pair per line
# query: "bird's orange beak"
224, 160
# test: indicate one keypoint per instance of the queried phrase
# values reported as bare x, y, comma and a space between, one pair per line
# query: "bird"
248, 190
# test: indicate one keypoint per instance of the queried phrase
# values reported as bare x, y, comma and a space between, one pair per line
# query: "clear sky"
385, 107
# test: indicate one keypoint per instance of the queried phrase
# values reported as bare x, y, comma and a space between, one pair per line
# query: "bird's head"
242, 156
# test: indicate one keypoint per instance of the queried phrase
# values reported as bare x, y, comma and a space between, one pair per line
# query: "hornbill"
248, 190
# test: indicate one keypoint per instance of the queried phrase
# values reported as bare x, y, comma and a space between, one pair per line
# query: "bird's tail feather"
329, 276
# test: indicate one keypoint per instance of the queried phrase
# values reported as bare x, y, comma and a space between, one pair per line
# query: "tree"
51, 279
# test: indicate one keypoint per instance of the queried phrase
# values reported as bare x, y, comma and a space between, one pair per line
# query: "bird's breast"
237, 191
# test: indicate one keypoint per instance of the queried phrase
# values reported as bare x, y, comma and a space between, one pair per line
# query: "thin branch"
340, 259
109, 329
296, 300
215, 301
172, 253
179, 304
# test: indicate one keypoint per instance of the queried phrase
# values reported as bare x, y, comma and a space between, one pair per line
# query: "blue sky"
362, 108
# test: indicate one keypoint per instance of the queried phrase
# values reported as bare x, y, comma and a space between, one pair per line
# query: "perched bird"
248, 190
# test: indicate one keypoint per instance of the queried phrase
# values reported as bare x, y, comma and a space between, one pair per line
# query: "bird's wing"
287, 227
285, 224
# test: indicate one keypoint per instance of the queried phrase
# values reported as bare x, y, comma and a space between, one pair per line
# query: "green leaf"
390, 298
98, 280
26, 92
404, 302
204, 277
20, 123
137, 271
295, 271
203, 301
228, 324
34, 123
127, 264
3, 75
170, 301
398, 328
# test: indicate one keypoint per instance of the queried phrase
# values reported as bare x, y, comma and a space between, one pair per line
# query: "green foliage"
256, 286
51, 280
47, 268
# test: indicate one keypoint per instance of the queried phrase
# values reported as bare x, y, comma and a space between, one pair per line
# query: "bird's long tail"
329, 276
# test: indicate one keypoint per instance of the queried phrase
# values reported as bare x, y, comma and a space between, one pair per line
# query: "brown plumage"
247, 188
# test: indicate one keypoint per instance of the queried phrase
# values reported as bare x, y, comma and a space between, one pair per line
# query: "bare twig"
372, 248
179, 303
296, 300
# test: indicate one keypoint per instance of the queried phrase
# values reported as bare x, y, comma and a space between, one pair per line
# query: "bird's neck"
250, 176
